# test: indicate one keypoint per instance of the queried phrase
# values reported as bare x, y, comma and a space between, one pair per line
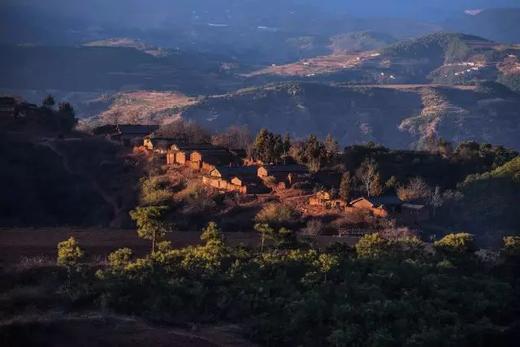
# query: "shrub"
212, 234
276, 215
69, 253
372, 246
511, 247
120, 258
416, 189
197, 198
456, 244
151, 223
154, 191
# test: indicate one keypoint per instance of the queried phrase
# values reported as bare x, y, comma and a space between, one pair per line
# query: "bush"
511, 247
373, 246
276, 215
197, 198
456, 245
120, 258
69, 253
154, 191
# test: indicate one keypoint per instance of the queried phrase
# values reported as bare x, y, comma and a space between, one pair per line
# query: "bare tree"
416, 189
235, 137
190, 131
368, 175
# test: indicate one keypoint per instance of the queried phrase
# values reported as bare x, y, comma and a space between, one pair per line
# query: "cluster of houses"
229, 171
382, 207
221, 168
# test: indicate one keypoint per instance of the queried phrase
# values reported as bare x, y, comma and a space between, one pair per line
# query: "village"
228, 172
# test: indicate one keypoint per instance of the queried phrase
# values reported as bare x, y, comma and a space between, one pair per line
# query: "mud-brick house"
324, 199
132, 134
383, 207
179, 153
207, 160
289, 174
414, 213
242, 179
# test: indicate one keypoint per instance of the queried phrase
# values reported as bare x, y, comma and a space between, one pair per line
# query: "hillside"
392, 116
489, 203
126, 42
448, 58
398, 116
360, 41
52, 175
90, 69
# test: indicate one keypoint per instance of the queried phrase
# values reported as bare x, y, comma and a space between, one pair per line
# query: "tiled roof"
237, 171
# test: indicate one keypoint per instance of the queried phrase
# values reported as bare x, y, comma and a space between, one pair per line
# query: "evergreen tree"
151, 223
345, 186
49, 101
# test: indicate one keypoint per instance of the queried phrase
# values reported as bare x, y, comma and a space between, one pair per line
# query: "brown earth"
18, 244
134, 107
96, 331
318, 65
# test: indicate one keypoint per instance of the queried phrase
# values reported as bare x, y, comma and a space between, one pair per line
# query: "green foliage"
313, 153
278, 215
460, 244
154, 191
491, 199
511, 247
441, 47
270, 148
372, 246
49, 101
120, 258
265, 231
211, 235
69, 253
151, 223
307, 297
67, 116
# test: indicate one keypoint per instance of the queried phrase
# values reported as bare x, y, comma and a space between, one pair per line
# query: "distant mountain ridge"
395, 116
442, 58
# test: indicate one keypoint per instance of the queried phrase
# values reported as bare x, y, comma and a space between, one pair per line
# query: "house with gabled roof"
242, 179
179, 153
383, 206
208, 160
289, 174
326, 200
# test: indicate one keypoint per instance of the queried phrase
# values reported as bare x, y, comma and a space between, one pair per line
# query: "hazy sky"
150, 11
